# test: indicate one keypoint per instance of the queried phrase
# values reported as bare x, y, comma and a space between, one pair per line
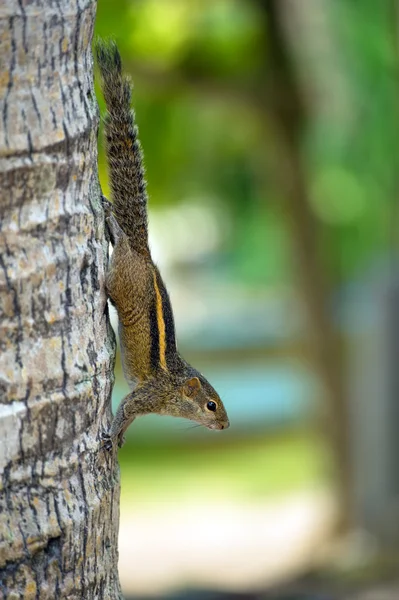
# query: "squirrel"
161, 381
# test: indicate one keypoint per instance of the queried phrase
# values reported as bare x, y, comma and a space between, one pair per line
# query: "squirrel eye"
211, 406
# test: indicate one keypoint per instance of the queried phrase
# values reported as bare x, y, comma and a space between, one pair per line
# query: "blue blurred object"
256, 396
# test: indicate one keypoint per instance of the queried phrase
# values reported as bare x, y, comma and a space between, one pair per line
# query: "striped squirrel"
161, 380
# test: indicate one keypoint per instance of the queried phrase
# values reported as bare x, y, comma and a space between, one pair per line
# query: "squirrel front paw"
106, 441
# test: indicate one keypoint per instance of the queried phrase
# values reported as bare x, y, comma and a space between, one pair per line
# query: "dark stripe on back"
170, 335
154, 335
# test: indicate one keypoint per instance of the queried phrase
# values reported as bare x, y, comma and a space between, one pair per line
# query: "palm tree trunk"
59, 497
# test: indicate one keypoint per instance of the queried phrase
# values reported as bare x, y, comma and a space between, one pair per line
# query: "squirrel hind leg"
114, 230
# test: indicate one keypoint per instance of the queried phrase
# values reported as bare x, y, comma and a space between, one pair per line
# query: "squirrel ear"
192, 386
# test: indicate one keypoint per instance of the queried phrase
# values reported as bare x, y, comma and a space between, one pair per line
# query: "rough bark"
58, 492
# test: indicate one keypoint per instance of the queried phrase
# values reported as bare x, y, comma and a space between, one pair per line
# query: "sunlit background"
270, 131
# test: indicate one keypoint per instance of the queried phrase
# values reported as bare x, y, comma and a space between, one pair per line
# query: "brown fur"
164, 382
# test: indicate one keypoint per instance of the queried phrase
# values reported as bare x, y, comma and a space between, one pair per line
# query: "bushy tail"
125, 161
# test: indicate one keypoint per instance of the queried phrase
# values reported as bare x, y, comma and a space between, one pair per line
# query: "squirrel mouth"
219, 426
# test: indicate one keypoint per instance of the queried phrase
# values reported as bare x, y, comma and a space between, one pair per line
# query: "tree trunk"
58, 491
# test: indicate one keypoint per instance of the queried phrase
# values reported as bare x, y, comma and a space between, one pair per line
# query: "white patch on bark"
10, 425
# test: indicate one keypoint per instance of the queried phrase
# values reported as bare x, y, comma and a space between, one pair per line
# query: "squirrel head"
184, 392
201, 403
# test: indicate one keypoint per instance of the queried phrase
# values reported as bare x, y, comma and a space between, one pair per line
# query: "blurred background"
270, 132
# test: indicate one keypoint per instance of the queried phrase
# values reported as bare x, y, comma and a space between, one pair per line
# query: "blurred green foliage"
198, 68
282, 463
201, 74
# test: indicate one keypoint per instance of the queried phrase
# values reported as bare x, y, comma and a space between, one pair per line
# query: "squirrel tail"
125, 160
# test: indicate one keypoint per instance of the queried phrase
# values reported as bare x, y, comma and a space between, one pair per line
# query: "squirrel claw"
106, 441
107, 205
